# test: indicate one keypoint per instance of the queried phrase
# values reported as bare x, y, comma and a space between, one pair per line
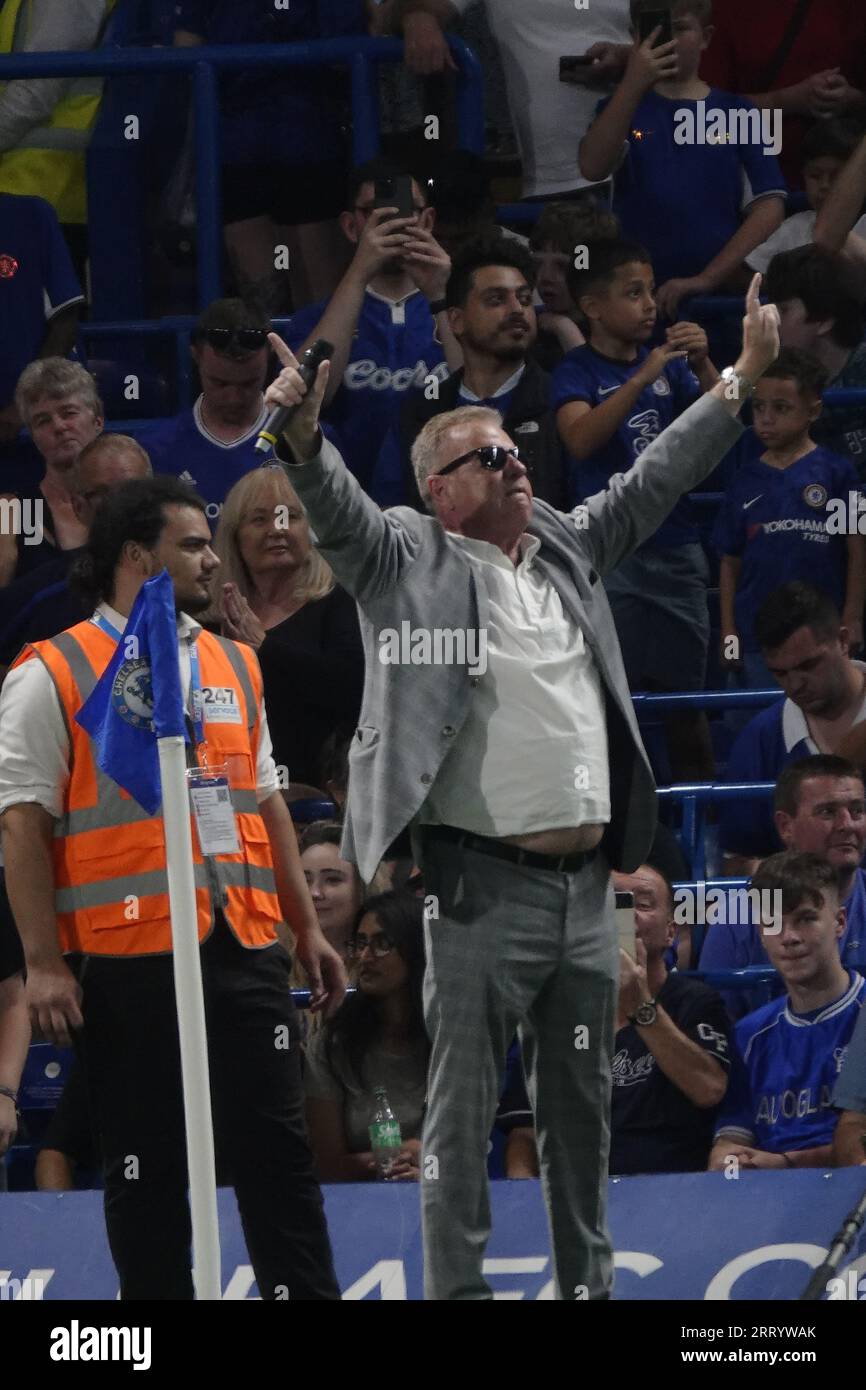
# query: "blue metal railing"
693, 798
360, 55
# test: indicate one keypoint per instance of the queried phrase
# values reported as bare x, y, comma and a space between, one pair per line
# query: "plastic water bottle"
385, 1136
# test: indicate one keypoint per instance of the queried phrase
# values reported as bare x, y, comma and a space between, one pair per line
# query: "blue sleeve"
762, 170
388, 483
746, 827
570, 382
736, 1110
850, 1092
729, 532
302, 323
59, 280
685, 386
156, 443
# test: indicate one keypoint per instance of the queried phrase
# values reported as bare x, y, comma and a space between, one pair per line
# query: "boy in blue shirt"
778, 1112
612, 398
777, 521
695, 170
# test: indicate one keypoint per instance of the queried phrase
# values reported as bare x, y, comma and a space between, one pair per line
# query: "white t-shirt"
795, 231
550, 117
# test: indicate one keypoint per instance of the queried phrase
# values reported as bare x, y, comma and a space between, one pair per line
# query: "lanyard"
196, 698
106, 626
195, 681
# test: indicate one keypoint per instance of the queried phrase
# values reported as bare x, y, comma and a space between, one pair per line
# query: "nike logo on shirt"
606, 390
747, 505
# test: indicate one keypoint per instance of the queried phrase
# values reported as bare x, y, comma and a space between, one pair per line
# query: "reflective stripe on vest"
48, 161
111, 892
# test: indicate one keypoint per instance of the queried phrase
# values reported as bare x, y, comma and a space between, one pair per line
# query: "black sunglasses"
250, 339
493, 457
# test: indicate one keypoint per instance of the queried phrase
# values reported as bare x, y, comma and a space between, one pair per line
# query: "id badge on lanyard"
209, 791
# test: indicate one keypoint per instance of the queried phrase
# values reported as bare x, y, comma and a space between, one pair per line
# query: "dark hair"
701, 9
791, 607
834, 139
380, 167
135, 511
662, 874
490, 248
825, 284
354, 1027
568, 225
334, 758
604, 258
787, 794
230, 313
798, 876
793, 364
320, 832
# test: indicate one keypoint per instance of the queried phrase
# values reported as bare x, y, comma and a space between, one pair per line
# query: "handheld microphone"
276, 422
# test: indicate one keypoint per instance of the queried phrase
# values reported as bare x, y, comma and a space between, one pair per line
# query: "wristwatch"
646, 1014
742, 385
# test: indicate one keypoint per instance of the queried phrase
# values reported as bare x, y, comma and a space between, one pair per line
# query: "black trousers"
131, 1054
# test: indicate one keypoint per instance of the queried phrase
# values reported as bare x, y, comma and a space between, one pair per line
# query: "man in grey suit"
497, 723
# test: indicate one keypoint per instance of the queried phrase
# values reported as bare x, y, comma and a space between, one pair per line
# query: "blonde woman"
279, 595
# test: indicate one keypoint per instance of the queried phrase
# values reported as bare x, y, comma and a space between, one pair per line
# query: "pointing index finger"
282, 350
753, 294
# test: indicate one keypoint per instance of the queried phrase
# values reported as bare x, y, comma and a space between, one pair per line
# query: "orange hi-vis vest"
111, 885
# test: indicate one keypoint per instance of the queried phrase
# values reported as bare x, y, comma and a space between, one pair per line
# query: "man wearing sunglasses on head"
212, 445
521, 772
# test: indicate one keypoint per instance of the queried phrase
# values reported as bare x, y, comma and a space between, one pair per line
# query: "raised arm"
601, 147
635, 503
366, 548
842, 209
421, 23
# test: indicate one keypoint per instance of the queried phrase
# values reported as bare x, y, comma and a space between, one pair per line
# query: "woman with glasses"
279, 595
376, 1039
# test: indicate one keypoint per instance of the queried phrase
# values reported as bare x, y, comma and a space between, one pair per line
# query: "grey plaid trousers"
534, 951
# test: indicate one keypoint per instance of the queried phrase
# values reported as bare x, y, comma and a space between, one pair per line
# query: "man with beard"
386, 318
87, 880
491, 314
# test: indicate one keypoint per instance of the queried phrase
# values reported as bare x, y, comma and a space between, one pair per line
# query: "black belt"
498, 849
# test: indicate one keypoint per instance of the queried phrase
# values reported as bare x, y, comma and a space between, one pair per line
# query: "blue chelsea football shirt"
394, 349
775, 519
587, 375
784, 1072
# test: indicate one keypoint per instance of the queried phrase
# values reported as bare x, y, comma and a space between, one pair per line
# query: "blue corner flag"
138, 697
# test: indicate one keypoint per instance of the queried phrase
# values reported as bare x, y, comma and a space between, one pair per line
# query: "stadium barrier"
203, 65
680, 1236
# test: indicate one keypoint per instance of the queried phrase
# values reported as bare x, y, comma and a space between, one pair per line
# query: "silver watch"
645, 1014
737, 386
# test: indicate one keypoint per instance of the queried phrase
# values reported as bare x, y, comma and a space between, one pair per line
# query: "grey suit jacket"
402, 568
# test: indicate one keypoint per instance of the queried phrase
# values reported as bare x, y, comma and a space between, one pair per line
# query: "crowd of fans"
589, 335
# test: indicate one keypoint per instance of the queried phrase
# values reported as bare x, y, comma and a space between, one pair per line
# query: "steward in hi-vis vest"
107, 848
86, 876
47, 161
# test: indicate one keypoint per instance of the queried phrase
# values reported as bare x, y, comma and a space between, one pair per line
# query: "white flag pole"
190, 1018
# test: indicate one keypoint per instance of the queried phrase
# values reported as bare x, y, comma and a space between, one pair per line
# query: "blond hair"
425, 451
313, 580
